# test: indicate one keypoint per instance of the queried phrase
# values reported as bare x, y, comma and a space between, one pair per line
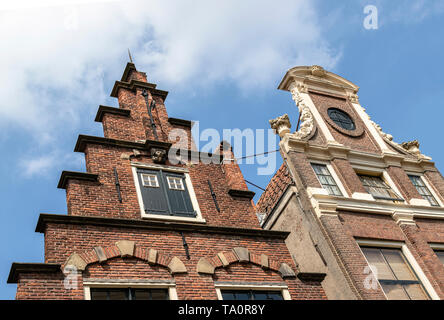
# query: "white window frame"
197, 219
408, 256
283, 288
118, 283
175, 179
428, 185
149, 185
379, 172
333, 175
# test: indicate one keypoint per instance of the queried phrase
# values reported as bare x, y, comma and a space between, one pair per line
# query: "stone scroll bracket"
208, 265
125, 248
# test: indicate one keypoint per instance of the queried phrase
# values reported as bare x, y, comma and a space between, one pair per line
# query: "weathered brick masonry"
110, 238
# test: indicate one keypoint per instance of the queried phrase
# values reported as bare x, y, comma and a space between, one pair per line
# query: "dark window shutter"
179, 200
154, 199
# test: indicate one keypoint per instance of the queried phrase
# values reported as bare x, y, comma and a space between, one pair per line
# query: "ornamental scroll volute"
282, 125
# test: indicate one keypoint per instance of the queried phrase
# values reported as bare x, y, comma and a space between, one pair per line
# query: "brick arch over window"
125, 248
242, 255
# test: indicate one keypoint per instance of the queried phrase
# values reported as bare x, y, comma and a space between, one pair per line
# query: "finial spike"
129, 54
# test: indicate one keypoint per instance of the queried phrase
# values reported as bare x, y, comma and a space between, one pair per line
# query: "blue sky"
221, 63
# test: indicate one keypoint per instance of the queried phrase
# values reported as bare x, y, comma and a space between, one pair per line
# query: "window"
128, 294
396, 277
326, 179
175, 183
378, 188
149, 180
341, 118
164, 193
423, 190
251, 295
440, 255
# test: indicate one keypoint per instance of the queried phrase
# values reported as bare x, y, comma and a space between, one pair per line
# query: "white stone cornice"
392, 159
315, 77
383, 207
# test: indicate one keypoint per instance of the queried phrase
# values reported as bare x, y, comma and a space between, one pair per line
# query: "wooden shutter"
154, 198
179, 200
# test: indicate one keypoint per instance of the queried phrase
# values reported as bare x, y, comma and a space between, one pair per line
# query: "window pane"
423, 190
440, 255
141, 294
394, 292
242, 295
97, 294
376, 260
398, 265
326, 180
260, 295
377, 187
227, 295
415, 292
118, 294
159, 294
267, 295
251, 295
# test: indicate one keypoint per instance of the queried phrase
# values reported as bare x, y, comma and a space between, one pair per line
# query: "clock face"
341, 118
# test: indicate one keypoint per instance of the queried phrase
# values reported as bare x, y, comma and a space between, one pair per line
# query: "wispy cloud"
43, 165
56, 58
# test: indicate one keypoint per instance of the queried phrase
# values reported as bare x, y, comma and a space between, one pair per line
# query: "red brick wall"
377, 227
363, 142
64, 239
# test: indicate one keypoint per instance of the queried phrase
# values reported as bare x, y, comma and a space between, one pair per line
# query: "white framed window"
122, 289
173, 198
175, 183
251, 291
328, 178
149, 180
378, 183
397, 271
424, 189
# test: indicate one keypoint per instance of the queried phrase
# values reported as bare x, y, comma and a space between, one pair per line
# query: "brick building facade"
146, 222
363, 209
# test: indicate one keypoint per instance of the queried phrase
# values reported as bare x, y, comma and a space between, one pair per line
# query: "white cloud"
42, 165
57, 55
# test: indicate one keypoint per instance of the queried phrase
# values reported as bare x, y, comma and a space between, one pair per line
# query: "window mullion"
388, 264
162, 182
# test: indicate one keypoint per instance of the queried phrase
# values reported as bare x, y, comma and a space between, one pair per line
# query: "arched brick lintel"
242, 255
124, 248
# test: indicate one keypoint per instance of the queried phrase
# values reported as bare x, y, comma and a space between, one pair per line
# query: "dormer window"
341, 118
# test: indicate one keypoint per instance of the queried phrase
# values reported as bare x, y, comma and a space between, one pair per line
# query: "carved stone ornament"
281, 125
353, 97
385, 135
306, 126
158, 155
412, 147
318, 71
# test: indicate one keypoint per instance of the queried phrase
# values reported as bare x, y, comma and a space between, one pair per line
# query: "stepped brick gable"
145, 221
